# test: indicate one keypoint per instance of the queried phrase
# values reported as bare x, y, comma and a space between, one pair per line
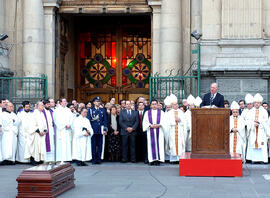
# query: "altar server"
63, 121
82, 139
25, 121
10, 124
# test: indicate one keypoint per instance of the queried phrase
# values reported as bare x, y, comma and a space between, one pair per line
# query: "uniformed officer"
98, 119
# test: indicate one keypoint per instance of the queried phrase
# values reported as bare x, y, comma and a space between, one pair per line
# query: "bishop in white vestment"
190, 101
177, 132
168, 106
237, 132
258, 132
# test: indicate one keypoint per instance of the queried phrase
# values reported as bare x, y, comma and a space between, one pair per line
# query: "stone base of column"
5, 83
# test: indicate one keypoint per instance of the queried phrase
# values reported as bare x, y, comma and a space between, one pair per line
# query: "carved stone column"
170, 36
50, 7
155, 5
33, 38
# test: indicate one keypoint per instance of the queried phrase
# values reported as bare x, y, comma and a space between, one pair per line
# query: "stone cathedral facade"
110, 47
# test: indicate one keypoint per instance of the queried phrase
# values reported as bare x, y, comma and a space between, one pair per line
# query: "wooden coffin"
45, 180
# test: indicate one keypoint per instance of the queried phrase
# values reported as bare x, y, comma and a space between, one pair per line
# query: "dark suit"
128, 139
241, 111
141, 140
218, 101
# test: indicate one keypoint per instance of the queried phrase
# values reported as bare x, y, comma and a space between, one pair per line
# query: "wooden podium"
210, 133
210, 154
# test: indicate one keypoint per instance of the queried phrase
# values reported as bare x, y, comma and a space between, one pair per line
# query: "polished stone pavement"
128, 180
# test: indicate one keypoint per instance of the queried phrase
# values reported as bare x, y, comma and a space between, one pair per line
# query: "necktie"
129, 113
211, 99
235, 136
257, 130
141, 119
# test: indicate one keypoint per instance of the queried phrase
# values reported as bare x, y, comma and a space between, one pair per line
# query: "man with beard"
50, 135
25, 119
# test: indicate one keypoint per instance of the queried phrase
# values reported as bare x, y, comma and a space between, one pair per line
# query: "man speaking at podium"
213, 99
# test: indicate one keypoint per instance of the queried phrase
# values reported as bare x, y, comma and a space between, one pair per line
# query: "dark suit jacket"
110, 129
218, 100
126, 121
139, 129
102, 121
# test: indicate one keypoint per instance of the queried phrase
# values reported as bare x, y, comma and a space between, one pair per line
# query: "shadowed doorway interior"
113, 57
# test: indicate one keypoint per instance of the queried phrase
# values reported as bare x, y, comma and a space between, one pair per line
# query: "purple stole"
153, 144
47, 138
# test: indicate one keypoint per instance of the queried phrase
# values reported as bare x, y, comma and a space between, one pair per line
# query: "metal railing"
181, 86
18, 89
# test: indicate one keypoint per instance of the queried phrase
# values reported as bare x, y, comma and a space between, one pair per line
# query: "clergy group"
152, 132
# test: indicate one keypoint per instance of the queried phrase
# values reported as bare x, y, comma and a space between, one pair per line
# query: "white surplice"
182, 134
9, 137
240, 136
35, 143
63, 117
81, 148
257, 154
158, 143
25, 119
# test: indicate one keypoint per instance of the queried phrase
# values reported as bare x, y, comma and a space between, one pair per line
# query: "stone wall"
235, 88
235, 47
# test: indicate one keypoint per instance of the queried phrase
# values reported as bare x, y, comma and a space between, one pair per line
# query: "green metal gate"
18, 89
181, 86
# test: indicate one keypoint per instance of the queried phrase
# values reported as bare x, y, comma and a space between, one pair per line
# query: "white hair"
214, 83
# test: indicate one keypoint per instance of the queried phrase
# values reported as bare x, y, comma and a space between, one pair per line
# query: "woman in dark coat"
114, 144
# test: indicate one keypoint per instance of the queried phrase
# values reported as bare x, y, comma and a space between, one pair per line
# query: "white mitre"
167, 101
235, 105
190, 100
249, 98
258, 98
197, 101
173, 98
